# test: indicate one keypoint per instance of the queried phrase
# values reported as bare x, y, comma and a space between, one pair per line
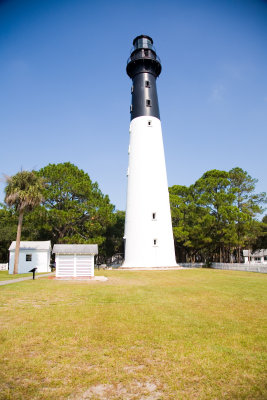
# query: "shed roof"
256, 253
75, 249
32, 245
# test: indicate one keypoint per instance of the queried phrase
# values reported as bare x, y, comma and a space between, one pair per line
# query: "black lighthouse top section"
143, 57
143, 67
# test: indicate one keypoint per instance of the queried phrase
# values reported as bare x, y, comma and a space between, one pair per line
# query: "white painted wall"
40, 259
147, 193
252, 259
74, 265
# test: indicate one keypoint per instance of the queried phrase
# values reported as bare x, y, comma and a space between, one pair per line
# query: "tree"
114, 235
212, 193
182, 211
24, 191
261, 240
74, 209
215, 215
8, 229
249, 205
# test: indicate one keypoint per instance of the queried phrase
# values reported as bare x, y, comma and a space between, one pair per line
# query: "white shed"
31, 254
75, 260
258, 256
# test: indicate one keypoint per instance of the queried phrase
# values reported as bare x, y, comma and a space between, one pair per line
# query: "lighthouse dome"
143, 42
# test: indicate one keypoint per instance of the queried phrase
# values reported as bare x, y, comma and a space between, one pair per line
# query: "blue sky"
65, 95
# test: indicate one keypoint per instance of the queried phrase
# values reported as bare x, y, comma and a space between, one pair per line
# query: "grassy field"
4, 275
185, 334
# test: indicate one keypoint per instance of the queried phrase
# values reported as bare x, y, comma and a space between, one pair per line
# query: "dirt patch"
131, 368
135, 390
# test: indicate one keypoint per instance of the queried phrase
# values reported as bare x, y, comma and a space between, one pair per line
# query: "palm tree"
24, 191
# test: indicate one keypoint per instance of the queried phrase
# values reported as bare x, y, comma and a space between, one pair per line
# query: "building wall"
255, 259
148, 230
74, 265
4, 267
40, 259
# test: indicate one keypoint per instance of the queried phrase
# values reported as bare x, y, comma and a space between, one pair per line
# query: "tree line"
213, 219
69, 208
217, 217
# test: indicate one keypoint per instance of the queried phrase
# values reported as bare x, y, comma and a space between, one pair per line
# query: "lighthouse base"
170, 268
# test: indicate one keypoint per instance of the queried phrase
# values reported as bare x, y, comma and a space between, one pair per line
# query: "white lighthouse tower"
148, 228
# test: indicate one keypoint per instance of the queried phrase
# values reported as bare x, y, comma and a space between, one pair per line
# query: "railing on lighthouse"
144, 51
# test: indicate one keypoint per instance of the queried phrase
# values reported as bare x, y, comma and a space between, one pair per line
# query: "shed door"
84, 265
65, 265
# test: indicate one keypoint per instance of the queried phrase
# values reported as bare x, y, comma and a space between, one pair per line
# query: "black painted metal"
143, 67
33, 270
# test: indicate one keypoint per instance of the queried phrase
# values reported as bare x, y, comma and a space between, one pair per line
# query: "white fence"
255, 267
4, 267
249, 267
192, 265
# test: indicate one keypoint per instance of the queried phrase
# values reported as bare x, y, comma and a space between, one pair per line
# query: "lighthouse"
148, 228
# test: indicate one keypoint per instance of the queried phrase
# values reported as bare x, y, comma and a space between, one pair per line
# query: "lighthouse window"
146, 53
153, 216
155, 242
131, 108
148, 103
147, 84
149, 123
132, 89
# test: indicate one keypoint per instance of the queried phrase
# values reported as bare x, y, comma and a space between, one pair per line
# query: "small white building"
75, 260
258, 256
31, 254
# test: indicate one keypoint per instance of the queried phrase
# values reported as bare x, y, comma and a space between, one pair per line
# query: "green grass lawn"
4, 275
185, 334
